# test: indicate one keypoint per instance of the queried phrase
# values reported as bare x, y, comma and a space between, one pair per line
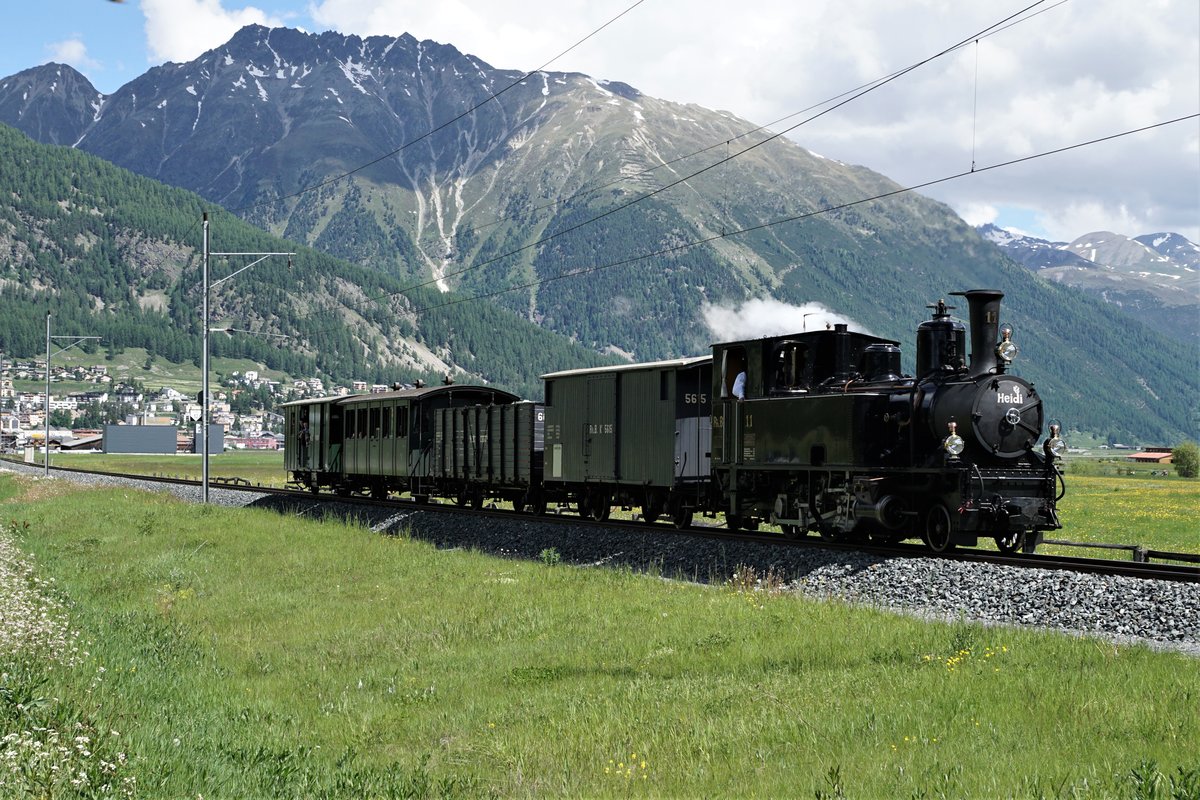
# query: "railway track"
1098, 566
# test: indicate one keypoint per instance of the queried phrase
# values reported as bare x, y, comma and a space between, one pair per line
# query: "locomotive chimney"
985, 329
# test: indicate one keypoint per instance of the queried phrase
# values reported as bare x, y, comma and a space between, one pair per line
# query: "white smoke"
762, 317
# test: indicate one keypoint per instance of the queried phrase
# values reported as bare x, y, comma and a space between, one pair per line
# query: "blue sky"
1080, 70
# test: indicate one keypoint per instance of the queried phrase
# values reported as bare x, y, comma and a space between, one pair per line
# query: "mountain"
1154, 276
52, 103
117, 255
470, 206
580, 206
1032, 252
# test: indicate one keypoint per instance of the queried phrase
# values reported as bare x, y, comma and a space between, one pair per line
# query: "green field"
237, 654
1160, 513
261, 467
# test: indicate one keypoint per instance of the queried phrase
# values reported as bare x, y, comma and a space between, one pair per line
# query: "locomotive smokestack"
985, 329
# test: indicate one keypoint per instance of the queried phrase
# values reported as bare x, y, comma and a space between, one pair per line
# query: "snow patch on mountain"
355, 72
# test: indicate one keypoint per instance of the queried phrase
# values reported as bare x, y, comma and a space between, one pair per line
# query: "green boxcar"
495, 451
634, 434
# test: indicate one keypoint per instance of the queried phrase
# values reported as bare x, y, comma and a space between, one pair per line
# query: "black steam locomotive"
824, 434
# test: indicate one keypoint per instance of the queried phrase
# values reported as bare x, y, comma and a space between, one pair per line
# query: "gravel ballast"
1161, 614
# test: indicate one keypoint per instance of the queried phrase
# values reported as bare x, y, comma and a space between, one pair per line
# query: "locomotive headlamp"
1055, 446
953, 444
1007, 349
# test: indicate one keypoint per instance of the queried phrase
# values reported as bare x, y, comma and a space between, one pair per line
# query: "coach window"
375, 422
387, 423
350, 425
549, 393
362, 423
402, 421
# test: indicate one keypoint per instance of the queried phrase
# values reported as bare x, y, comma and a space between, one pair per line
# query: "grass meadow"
1160, 513
239, 654
262, 467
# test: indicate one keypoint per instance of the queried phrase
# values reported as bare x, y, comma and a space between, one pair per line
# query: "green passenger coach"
373, 443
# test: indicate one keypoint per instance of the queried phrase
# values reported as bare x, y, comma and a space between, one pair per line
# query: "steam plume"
766, 316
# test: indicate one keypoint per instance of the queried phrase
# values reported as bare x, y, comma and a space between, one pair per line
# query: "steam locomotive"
827, 436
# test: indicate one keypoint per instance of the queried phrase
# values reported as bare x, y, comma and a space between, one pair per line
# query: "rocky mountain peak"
1156, 273
53, 103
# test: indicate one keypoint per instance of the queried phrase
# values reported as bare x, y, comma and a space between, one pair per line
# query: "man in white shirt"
739, 385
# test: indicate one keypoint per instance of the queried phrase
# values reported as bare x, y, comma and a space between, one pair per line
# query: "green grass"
1162, 513
247, 655
264, 467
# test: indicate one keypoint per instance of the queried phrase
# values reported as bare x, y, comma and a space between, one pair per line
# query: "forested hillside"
116, 255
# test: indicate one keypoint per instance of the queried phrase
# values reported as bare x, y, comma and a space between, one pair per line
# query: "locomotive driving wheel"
938, 529
791, 531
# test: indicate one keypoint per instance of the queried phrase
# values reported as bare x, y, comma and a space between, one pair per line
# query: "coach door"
599, 428
374, 439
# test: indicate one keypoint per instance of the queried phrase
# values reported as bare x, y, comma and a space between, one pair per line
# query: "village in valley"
244, 406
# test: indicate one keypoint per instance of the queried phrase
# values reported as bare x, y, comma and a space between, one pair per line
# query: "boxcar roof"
430, 391
311, 400
675, 363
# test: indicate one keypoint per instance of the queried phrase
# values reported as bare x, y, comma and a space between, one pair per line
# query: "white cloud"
181, 30
1075, 220
979, 213
766, 316
74, 52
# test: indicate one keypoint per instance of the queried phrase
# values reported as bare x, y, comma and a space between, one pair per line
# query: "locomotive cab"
808, 415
